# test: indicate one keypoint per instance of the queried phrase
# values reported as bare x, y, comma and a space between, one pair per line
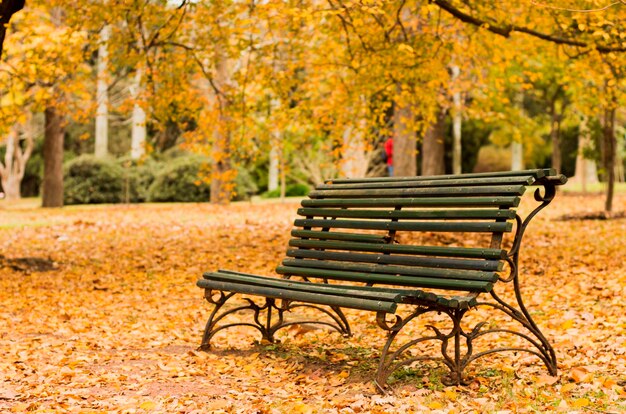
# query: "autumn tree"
52, 81
580, 31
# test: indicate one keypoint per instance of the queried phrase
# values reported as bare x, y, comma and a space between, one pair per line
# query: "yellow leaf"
546, 379
568, 387
147, 405
567, 324
579, 374
581, 402
301, 407
451, 395
435, 405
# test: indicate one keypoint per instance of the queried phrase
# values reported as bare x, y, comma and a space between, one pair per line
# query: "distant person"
389, 155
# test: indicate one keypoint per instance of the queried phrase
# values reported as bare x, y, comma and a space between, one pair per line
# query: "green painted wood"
436, 262
301, 296
363, 292
536, 173
387, 279
437, 226
461, 214
327, 235
459, 302
399, 295
495, 190
456, 182
367, 268
463, 252
506, 201
555, 179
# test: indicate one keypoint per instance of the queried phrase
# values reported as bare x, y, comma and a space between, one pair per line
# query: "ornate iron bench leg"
266, 327
390, 361
268, 318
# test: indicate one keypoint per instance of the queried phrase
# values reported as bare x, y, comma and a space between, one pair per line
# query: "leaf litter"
114, 325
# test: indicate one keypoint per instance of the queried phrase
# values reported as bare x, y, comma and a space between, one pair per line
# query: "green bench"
399, 244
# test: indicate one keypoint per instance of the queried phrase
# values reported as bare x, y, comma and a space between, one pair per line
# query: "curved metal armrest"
559, 179
549, 184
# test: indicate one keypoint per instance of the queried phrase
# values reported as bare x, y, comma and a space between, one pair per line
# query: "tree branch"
505, 30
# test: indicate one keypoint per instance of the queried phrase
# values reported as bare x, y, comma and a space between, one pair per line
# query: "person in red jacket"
389, 155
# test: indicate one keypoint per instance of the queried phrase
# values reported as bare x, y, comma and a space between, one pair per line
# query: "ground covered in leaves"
100, 313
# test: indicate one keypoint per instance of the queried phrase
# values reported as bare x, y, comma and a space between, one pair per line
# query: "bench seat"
369, 298
393, 245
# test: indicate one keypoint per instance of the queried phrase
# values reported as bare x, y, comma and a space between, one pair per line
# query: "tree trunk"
354, 160
221, 174
283, 179
586, 171
517, 149
610, 144
221, 180
52, 187
517, 156
11, 187
555, 137
15, 159
457, 120
272, 179
433, 149
102, 95
138, 132
404, 141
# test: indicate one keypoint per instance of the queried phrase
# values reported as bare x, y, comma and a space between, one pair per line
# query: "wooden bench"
383, 244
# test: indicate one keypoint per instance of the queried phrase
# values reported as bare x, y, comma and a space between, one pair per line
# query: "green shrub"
90, 180
292, 190
179, 180
138, 176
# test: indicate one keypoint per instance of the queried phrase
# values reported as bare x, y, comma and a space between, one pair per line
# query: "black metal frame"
263, 318
459, 360
456, 360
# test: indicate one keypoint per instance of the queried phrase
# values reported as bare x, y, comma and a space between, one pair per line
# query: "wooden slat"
537, 173
555, 179
363, 292
436, 262
367, 268
507, 201
299, 295
388, 279
496, 190
227, 274
417, 183
402, 295
327, 235
464, 252
463, 214
437, 226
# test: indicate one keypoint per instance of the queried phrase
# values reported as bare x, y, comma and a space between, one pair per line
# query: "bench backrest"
352, 229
